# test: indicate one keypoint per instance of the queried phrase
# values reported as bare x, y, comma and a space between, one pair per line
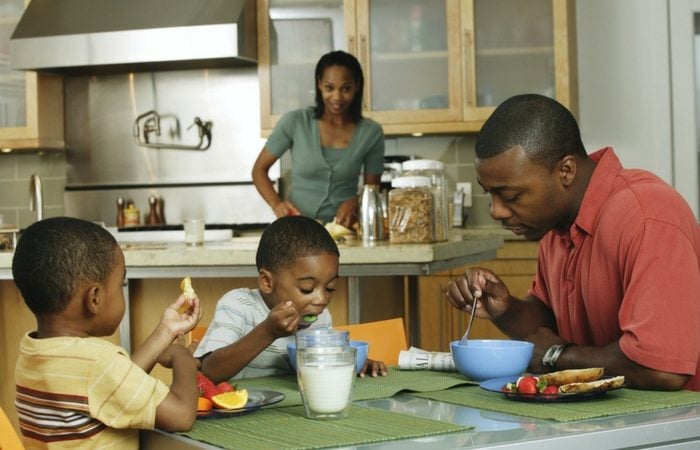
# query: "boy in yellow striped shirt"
75, 390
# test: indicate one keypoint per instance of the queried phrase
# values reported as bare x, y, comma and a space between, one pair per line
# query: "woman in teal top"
331, 144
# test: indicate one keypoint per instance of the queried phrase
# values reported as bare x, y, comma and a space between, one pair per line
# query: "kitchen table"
675, 427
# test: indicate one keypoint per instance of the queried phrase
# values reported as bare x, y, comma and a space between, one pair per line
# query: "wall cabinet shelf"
430, 67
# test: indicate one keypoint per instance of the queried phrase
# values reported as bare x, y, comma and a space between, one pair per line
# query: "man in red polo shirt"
618, 271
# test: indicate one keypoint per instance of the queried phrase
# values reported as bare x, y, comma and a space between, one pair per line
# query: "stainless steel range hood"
95, 36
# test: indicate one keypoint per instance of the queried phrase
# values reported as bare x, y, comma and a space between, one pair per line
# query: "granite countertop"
239, 252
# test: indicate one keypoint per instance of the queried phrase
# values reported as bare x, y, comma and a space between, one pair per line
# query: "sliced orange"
204, 404
231, 400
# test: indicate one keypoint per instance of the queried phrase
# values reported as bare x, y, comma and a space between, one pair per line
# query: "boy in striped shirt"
75, 390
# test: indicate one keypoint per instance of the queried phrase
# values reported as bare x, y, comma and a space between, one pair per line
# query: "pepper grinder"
152, 218
120, 212
160, 217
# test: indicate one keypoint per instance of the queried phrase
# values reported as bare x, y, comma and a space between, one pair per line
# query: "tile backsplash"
15, 171
456, 152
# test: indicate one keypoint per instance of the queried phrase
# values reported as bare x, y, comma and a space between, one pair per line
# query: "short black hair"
55, 256
343, 59
543, 127
292, 237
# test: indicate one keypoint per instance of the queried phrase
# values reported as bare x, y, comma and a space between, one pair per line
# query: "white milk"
327, 387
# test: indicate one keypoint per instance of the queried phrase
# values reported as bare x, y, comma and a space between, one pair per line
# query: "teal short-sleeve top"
322, 179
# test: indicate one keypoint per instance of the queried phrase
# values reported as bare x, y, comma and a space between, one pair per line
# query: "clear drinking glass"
326, 377
322, 337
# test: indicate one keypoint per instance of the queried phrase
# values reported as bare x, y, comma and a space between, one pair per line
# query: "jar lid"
402, 182
422, 164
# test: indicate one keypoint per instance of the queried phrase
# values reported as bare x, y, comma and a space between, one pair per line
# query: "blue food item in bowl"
483, 359
361, 346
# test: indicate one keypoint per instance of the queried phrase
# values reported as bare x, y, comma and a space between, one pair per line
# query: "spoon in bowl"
465, 338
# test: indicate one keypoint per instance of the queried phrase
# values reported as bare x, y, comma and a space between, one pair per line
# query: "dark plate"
497, 384
256, 399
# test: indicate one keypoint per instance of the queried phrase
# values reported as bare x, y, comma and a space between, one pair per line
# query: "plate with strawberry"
531, 388
224, 399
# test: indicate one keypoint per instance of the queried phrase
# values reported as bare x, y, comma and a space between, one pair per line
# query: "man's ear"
265, 281
92, 298
567, 170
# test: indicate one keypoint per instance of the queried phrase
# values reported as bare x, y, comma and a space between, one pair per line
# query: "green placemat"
366, 388
622, 401
287, 428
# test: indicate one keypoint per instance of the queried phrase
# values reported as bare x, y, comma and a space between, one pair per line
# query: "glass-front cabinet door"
31, 105
512, 47
13, 105
293, 35
410, 59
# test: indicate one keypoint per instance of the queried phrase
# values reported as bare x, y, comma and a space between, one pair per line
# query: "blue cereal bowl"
361, 346
483, 359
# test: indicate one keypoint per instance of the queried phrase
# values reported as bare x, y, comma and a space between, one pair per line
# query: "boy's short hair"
292, 237
55, 256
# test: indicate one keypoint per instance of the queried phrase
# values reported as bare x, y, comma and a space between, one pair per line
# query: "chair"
9, 439
386, 338
198, 333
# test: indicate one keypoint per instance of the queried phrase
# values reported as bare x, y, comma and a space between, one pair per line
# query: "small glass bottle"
411, 209
435, 171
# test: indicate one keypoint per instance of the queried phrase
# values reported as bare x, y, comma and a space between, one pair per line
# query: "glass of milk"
326, 377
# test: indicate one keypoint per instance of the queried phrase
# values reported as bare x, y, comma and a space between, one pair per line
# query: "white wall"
624, 81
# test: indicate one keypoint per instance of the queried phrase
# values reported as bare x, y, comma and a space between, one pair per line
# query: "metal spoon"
465, 338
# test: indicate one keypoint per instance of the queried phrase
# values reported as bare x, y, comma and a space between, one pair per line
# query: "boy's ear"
92, 298
265, 281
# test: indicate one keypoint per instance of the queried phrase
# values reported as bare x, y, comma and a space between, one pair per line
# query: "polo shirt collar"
599, 188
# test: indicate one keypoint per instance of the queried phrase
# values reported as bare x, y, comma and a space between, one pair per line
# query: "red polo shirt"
628, 269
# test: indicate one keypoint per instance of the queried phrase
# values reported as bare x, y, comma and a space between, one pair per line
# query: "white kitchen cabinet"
31, 105
430, 67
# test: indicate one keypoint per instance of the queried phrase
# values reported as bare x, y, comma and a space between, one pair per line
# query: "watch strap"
552, 354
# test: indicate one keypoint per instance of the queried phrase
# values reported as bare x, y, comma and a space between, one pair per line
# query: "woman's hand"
347, 213
285, 208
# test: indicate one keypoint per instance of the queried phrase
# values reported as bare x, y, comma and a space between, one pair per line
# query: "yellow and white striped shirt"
82, 393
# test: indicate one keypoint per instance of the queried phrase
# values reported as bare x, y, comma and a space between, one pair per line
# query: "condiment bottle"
132, 216
411, 210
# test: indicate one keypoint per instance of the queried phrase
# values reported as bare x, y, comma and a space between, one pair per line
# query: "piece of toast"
188, 291
562, 377
605, 384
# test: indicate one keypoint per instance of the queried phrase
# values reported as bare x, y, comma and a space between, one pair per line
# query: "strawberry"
207, 388
550, 390
527, 385
224, 386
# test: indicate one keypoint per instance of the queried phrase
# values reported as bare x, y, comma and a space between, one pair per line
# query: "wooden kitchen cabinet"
31, 104
430, 67
439, 323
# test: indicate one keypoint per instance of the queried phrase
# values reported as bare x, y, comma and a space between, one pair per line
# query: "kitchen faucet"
36, 199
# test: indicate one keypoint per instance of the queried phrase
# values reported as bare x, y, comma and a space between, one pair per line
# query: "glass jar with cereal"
411, 210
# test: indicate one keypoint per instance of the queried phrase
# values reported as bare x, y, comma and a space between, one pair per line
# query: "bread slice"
593, 386
572, 376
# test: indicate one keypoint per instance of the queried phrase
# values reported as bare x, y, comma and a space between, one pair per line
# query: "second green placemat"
622, 401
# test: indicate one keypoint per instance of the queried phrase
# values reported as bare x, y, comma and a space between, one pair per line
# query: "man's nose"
498, 210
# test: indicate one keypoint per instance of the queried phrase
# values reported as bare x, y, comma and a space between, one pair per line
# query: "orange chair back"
9, 440
386, 338
198, 333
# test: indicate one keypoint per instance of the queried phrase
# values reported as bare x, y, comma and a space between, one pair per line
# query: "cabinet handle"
363, 50
469, 82
351, 45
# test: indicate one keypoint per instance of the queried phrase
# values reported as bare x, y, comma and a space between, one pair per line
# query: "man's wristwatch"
552, 355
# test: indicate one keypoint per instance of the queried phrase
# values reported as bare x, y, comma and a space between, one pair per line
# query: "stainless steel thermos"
371, 215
